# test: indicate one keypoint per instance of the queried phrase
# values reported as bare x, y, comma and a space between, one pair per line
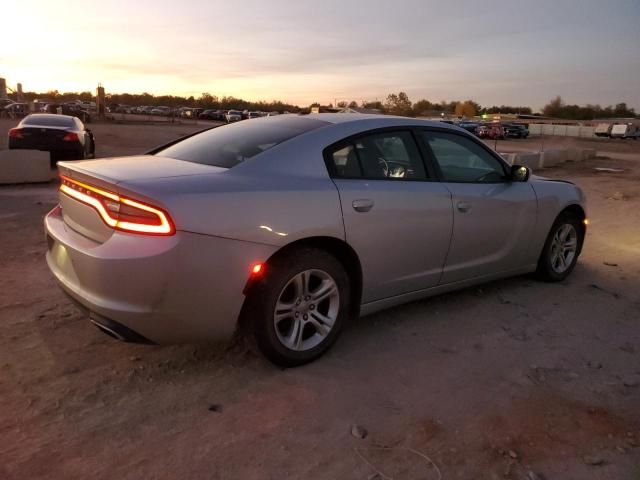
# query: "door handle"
362, 205
463, 206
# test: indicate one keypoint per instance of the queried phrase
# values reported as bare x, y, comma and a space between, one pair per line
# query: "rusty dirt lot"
513, 380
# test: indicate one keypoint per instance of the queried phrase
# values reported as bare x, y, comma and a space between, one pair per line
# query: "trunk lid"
42, 136
113, 175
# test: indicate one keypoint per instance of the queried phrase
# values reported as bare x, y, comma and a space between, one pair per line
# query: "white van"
625, 131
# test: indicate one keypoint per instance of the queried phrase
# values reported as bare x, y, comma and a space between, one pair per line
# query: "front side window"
386, 155
463, 160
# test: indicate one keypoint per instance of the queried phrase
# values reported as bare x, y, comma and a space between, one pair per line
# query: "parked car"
286, 227
254, 115
76, 110
122, 109
212, 115
515, 130
490, 130
161, 111
64, 136
469, 126
233, 116
625, 131
16, 109
603, 130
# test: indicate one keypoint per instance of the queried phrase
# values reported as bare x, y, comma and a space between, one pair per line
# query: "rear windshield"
49, 120
229, 145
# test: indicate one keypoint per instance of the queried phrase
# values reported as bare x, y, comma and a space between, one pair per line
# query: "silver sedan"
285, 227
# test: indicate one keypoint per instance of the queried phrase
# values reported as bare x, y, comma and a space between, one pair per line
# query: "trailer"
603, 130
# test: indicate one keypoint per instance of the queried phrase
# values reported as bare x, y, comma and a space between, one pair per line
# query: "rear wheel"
297, 309
561, 249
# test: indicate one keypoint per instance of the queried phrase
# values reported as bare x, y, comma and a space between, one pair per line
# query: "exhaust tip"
117, 330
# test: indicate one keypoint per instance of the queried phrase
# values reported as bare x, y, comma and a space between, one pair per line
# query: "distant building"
370, 111
326, 109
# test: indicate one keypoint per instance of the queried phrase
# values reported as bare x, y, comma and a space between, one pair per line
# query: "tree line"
205, 100
394, 104
557, 108
400, 104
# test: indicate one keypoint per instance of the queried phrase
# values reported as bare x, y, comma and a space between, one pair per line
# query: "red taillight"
119, 212
70, 137
15, 133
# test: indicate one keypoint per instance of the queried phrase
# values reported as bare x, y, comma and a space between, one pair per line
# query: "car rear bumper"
180, 289
45, 145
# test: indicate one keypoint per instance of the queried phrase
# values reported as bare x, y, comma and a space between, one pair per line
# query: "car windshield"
49, 120
229, 145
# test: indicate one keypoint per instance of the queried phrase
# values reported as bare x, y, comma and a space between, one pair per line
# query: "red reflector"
70, 137
119, 212
257, 269
15, 133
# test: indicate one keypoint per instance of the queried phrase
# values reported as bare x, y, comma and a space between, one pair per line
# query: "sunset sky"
495, 52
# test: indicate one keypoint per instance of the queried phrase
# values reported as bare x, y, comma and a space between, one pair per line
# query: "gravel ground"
516, 379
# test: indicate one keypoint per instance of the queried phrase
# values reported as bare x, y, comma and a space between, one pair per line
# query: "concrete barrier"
548, 129
530, 159
551, 158
575, 155
577, 131
560, 130
535, 129
24, 166
508, 157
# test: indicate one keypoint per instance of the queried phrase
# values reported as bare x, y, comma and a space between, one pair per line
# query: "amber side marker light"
586, 221
257, 269
120, 213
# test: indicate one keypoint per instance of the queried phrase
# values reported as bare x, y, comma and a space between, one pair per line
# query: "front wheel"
297, 309
561, 249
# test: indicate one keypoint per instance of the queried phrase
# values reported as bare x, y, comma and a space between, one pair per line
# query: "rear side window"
383, 156
229, 145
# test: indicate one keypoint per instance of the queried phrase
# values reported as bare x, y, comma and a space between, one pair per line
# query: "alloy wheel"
563, 248
306, 310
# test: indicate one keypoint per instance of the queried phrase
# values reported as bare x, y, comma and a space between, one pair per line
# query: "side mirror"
520, 173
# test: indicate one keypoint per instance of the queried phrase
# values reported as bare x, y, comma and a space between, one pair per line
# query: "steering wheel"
396, 169
385, 166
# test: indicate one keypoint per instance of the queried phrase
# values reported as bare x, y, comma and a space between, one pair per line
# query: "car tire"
291, 340
561, 249
81, 154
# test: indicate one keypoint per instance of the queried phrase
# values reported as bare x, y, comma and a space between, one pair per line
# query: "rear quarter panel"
271, 210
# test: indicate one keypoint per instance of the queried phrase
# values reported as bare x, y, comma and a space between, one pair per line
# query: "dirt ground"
513, 380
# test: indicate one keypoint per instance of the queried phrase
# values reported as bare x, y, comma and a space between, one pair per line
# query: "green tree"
376, 105
422, 107
468, 109
553, 108
398, 104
